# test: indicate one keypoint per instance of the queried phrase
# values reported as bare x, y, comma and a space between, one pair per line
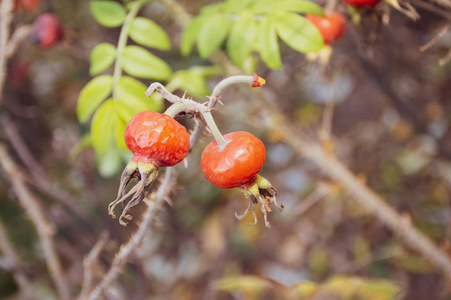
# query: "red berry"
28, 5
331, 27
362, 3
47, 30
237, 164
156, 138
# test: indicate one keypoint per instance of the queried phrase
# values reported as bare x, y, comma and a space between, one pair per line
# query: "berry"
362, 3
156, 138
331, 27
237, 164
27, 5
47, 30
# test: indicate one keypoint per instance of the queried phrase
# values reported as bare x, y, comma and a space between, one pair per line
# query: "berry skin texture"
332, 26
362, 3
156, 138
237, 164
47, 30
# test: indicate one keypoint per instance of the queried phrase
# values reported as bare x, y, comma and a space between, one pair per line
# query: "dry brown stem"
45, 231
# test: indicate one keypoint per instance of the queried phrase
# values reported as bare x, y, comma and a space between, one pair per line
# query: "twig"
40, 177
432, 8
126, 250
436, 38
89, 262
445, 59
43, 227
11, 263
20, 34
5, 22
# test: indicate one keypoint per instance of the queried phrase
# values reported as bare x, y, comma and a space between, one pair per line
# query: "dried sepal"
261, 192
145, 173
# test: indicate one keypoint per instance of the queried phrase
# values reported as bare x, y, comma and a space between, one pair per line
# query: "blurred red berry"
19, 72
27, 5
47, 30
332, 26
362, 3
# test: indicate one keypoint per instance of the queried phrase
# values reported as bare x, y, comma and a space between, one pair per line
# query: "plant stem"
228, 81
123, 37
191, 106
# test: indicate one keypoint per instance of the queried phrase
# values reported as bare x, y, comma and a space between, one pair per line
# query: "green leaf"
268, 44
241, 39
110, 163
190, 34
108, 13
131, 99
119, 129
140, 63
212, 8
298, 33
102, 128
301, 6
97, 90
352, 287
247, 283
212, 34
102, 56
298, 6
236, 6
148, 33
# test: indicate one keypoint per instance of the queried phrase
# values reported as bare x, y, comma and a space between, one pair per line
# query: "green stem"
189, 105
123, 37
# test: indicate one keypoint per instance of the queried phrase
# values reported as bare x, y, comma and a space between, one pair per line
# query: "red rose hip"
332, 26
237, 164
156, 138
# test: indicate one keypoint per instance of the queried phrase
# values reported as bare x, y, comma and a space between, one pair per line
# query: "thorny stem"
229, 81
123, 36
188, 105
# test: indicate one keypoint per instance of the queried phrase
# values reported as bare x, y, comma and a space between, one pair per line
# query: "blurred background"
381, 104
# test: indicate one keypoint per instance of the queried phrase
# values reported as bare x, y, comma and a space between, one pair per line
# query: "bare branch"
40, 178
89, 264
33, 209
20, 34
11, 261
436, 38
5, 23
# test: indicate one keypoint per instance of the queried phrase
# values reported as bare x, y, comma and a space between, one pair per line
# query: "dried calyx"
260, 192
145, 173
